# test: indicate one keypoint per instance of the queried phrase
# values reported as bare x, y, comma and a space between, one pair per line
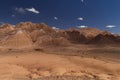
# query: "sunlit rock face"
18, 40
6, 28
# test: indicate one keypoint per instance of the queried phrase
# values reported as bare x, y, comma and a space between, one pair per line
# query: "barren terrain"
33, 51
70, 63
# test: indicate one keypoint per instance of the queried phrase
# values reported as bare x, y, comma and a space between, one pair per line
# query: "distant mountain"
105, 38
89, 32
31, 35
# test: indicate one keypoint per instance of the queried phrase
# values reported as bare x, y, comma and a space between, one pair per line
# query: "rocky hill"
32, 35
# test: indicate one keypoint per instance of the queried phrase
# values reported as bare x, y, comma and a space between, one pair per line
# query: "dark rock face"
104, 39
75, 37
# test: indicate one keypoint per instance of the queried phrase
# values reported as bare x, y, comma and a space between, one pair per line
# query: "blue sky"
102, 14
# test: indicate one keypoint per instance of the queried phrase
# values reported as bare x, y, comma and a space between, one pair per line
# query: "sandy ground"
34, 65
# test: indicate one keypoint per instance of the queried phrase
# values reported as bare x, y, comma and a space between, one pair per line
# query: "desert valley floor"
79, 62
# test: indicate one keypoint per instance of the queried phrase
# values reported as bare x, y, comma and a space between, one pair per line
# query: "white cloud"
80, 18
20, 10
82, 0
13, 15
56, 18
24, 10
55, 28
110, 26
32, 10
82, 26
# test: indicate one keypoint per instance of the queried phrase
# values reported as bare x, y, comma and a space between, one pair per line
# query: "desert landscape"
36, 51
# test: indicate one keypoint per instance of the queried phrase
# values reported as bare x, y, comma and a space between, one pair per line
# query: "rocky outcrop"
18, 40
89, 32
47, 40
75, 36
30, 35
105, 38
5, 28
36, 34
